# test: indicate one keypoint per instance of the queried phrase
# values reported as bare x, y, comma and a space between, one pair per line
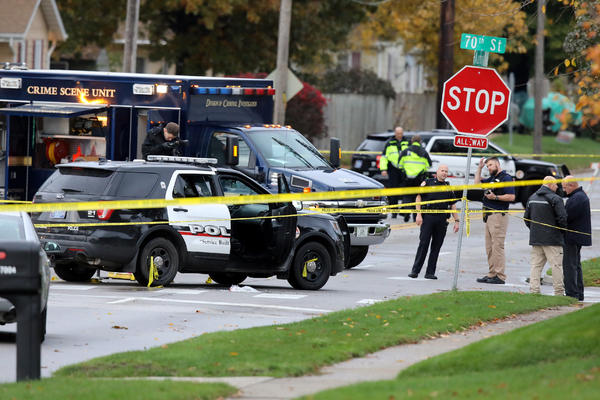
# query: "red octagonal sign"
475, 100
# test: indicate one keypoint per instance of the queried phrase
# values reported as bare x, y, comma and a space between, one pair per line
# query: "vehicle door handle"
180, 209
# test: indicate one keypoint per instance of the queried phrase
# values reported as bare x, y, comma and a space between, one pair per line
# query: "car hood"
338, 179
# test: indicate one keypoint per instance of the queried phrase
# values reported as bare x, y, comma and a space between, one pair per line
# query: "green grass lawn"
101, 389
553, 359
524, 144
303, 347
591, 272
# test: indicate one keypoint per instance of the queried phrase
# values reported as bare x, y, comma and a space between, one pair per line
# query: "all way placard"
472, 142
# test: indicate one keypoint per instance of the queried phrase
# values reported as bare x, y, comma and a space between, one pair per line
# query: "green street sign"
483, 43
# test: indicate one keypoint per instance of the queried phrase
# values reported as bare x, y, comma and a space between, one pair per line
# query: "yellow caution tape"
467, 221
151, 271
15, 201
122, 275
574, 155
267, 198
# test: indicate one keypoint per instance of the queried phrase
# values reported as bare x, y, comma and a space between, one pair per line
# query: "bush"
355, 81
304, 112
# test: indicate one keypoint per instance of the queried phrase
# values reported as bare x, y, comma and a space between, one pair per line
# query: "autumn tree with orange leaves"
583, 43
417, 24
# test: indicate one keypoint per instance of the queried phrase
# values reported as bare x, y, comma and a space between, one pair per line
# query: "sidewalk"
382, 365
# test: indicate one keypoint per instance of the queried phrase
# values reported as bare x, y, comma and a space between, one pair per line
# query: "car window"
136, 184
217, 148
447, 146
233, 186
373, 144
193, 185
11, 228
89, 181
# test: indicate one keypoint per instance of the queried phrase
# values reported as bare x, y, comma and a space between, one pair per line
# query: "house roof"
16, 17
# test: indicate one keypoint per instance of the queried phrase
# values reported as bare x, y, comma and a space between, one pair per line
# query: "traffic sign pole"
480, 59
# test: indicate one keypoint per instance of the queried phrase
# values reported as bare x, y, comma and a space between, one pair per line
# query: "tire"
227, 278
44, 317
357, 255
166, 262
74, 272
311, 267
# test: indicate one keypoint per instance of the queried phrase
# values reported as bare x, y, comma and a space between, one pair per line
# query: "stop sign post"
475, 101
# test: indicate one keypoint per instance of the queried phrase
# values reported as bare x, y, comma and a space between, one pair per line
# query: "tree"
417, 24
231, 36
583, 43
89, 23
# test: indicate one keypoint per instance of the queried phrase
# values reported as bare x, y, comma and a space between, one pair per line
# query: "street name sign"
475, 101
471, 142
490, 44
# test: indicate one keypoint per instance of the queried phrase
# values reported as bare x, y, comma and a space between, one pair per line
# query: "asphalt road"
95, 319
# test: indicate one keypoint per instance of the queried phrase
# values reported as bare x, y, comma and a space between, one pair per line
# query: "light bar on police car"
185, 160
233, 91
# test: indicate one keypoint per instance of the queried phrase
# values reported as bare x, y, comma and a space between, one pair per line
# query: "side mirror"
232, 147
335, 152
565, 170
51, 247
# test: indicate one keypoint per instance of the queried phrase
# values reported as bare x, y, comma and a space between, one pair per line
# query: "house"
29, 32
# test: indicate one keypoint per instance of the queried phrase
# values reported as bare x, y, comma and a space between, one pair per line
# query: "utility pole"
538, 129
283, 50
446, 57
131, 33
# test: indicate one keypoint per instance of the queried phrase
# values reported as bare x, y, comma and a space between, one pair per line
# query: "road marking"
181, 291
364, 266
406, 278
72, 287
280, 296
128, 299
214, 303
368, 301
445, 253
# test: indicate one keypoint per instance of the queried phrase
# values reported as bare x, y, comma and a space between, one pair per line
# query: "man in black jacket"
578, 219
545, 211
162, 141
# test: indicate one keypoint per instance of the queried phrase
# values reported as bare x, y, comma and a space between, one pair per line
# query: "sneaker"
429, 276
495, 280
412, 275
485, 279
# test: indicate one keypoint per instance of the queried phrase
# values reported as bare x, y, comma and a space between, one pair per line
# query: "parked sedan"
17, 227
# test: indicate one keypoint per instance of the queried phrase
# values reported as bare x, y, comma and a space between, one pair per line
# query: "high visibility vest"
413, 164
391, 154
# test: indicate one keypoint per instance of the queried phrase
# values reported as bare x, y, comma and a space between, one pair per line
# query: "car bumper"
368, 234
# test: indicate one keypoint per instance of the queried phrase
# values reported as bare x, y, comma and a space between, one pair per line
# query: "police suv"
228, 242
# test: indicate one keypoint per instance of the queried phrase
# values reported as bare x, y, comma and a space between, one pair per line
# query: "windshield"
373, 144
288, 149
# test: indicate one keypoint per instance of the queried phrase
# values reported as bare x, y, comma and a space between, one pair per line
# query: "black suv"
224, 241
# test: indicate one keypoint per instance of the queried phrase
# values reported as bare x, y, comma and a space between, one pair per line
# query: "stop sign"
475, 100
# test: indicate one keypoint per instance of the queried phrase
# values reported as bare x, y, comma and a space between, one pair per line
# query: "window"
11, 227
75, 180
447, 146
136, 184
233, 186
373, 144
217, 149
193, 185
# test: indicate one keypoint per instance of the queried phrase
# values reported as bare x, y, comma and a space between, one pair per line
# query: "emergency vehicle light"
213, 90
10, 83
162, 89
143, 89
185, 160
233, 91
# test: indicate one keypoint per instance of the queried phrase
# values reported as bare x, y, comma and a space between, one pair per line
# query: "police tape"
268, 198
572, 155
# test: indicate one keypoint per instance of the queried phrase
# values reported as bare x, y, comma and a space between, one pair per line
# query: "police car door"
205, 228
261, 243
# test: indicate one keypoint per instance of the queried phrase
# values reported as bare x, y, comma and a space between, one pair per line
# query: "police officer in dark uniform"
433, 226
389, 163
162, 141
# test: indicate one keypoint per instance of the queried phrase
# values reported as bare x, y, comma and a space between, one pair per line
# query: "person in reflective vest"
415, 162
390, 160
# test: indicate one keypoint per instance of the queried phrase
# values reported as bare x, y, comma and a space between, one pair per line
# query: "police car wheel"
227, 278
357, 255
162, 255
311, 267
74, 272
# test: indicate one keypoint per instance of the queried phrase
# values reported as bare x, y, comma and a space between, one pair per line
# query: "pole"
480, 58
511, 85
131, 33
446, 54
539, 78
283, 49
